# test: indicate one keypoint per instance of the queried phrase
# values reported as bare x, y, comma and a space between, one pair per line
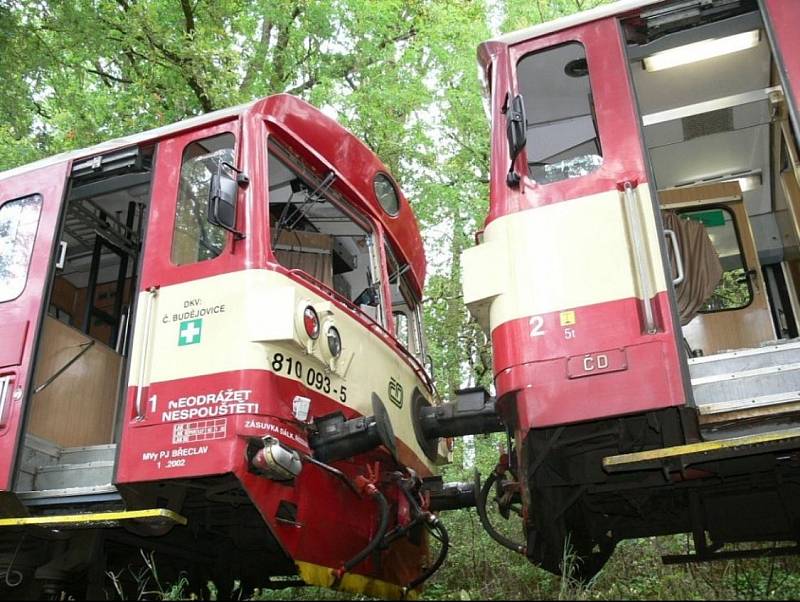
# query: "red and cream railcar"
638, 272
196, 323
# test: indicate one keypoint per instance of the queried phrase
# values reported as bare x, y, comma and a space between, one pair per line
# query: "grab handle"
62, 255
676, 250
151, 295
640, 259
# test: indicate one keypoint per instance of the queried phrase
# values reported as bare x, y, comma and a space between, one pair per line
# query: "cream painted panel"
253, 321
561, 256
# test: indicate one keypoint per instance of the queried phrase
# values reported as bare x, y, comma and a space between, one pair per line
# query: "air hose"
480, 506
383, 524
433, 523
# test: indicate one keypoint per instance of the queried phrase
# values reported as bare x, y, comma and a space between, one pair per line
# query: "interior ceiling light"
747, 182
700, 51
750, 182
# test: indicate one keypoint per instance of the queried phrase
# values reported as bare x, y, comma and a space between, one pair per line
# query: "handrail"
152, 292
86, 346
5, 393
676, 251
640, 260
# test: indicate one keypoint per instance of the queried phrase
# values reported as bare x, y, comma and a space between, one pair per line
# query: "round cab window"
387, 194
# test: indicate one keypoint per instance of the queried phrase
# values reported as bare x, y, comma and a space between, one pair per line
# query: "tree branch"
107, 77
279, 64
259, 56
188, 16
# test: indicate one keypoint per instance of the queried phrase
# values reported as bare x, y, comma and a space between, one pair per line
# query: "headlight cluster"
334, 341
309, 328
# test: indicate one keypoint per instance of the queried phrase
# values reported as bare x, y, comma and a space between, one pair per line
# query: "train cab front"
278, 354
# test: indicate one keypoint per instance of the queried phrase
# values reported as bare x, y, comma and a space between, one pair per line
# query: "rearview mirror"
369, 296
516, 133
222, 197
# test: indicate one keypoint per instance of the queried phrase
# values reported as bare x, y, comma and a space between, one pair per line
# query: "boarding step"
680, 457
65, 476
743, 360
762, 383
72, 496
88, 453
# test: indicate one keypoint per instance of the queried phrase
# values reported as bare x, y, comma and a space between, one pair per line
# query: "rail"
152, 292
640, 260
676, 250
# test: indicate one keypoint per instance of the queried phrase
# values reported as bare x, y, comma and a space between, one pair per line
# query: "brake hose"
432, 523
480, 506
370, 547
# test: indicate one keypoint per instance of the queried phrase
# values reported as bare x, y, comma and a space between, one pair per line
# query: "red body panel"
20, 318
247, 403
547, 396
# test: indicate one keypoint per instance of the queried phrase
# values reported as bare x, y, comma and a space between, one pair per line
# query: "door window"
562, 140
194, 238
18, 221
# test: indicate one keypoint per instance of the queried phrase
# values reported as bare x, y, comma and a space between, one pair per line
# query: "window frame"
226, 247
413, 316
748, 280
304, 171
31, 250
592, 112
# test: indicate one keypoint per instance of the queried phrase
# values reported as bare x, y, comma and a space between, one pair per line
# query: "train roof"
324, 138
587, 16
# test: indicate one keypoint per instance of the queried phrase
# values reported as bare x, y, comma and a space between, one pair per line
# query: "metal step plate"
745, 359
66, 476
70, 495
89, 453
781, 379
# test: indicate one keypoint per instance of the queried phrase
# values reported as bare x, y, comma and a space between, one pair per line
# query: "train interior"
69, 434
313, 233
725, 163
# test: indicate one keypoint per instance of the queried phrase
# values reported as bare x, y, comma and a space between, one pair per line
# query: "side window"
562, 139
194, 238
18, 222
401, 327
734, 290
405, 306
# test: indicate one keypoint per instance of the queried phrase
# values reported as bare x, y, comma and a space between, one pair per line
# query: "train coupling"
448, 496
472, 413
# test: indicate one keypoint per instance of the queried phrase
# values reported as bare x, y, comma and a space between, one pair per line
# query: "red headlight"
311, 322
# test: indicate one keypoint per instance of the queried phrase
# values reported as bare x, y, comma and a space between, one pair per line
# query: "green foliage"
732, 292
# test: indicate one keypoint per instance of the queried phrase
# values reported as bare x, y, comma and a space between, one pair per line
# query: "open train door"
30, 205
593, 334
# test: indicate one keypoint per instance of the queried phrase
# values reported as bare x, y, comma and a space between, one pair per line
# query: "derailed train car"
638, 276
212, 349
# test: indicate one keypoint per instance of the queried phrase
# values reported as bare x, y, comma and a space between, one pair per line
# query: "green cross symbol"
189, 332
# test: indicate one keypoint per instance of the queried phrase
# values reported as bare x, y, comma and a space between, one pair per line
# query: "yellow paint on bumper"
314, 574
95, 519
